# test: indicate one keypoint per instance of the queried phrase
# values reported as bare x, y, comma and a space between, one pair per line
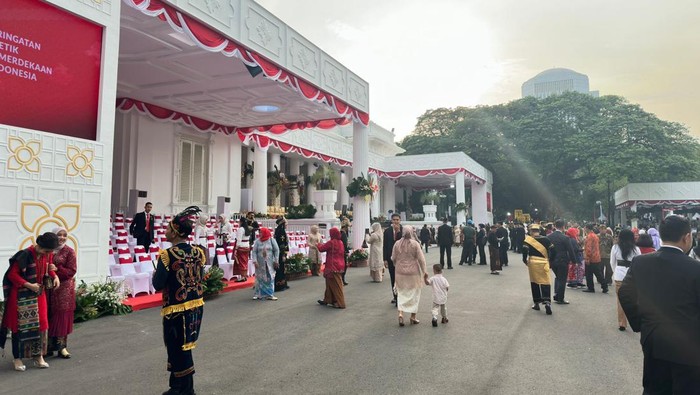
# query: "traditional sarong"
264, 282
180, 334
334, 291
240, 261
28, 341
407, 300
538, 268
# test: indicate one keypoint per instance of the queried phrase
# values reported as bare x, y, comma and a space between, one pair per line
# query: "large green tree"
563, 153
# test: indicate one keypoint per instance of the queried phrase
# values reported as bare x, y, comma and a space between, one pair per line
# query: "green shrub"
213, 281
98, 299
297, 263
301, 211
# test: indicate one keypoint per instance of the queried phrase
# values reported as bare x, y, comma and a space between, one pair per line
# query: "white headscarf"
56, 230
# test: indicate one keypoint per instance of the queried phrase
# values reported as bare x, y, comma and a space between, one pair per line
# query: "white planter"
325, 203
429, 210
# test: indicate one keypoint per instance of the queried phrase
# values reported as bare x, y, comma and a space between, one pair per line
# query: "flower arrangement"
98, 299
297, 263
325, 178
301, 211
278, 181
431, 197
358, 255
213, 281
460, 207
362, 186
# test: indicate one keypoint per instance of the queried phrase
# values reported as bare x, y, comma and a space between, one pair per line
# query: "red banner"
49, 69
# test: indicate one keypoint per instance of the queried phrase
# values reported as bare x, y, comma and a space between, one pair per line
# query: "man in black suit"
142, 226
661, 298
502, 234
563, 254
392, 234
425, 237
445, 240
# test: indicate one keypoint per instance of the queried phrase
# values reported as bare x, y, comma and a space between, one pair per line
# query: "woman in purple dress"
61, 301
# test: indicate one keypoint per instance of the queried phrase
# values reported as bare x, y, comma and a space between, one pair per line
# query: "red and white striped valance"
427, 173
202, 125
210, 40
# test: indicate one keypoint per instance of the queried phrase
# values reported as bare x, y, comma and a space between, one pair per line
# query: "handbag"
46, 280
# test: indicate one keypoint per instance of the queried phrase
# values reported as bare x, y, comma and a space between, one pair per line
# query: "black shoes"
536, 307
548, 308
344, 283
435, 322
589, 291
605, 291
622, 329
393, 301
322, 303
561, 301
449, 268
496, 273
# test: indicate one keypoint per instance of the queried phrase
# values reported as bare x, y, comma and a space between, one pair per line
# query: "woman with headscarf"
620, 259
411, 274
655, 238
200, 232
333, 271
313, 240
223, 233
283, 245
241, 254
344, 232
375, 240
179, 275
577, 271
61, 301
26, 313
266, 257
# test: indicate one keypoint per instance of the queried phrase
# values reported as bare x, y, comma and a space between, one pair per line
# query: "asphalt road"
493, 344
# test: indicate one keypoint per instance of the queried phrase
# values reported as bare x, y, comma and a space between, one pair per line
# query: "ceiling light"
266, 108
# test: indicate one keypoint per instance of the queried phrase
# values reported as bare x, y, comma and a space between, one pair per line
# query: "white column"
260, 181
234, 186
343, 197
459, 189
479, 213
375, 210
360, 165
389, 197
294, 171
310, 188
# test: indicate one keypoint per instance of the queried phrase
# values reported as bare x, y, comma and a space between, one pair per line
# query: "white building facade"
186, 95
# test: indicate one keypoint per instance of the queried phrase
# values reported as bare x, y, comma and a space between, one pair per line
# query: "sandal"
401, 321
41, 365
20, 367
414, 321
64, 354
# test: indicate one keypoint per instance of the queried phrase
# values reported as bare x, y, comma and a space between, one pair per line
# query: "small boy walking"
440, 288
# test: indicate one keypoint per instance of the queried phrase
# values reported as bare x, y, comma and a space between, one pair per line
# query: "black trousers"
482, 254
392, 276
607, 271
503, 254
597, 270
446, 249
664, 377
425, 244
561, 271
467, 252
541, 293
180, 363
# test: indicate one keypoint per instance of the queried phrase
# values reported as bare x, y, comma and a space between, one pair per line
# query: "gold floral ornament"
37, 218
23, 155
80, 162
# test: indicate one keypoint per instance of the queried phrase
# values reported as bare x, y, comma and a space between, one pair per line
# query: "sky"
421, 55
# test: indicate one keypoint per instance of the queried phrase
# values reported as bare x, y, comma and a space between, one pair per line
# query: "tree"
560, 153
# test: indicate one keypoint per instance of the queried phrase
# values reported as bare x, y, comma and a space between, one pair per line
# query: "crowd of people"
40, 292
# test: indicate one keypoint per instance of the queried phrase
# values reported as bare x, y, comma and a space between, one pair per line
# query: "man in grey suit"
564, 253
661, 298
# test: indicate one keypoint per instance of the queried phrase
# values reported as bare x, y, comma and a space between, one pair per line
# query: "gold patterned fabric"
538, 268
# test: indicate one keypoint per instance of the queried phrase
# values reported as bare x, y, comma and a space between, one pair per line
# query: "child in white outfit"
440, 288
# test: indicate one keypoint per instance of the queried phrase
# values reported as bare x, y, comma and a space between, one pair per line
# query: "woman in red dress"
25, 302
62, 300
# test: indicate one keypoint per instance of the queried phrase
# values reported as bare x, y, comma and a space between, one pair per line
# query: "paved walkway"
493, 344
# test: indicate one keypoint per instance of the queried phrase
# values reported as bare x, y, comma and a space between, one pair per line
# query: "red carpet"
147, 301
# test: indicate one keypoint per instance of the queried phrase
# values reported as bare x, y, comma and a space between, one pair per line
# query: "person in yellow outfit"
537, 251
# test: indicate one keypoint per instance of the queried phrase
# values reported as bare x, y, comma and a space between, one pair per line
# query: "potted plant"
213, 281
277, 183
460, 207
325, 196
296, 266
358, 258
301, 211
429, 200
362, 186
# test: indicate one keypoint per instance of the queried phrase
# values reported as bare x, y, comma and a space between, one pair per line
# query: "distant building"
555, 82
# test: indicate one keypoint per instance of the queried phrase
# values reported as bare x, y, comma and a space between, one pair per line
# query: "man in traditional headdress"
179, 274
537, 251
